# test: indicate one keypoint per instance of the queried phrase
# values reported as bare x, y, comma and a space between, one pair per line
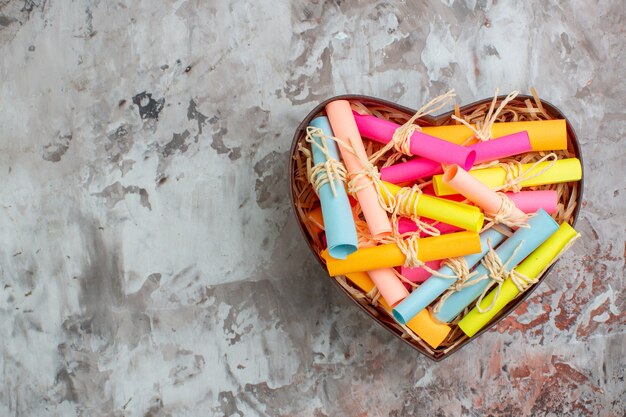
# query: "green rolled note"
531, 267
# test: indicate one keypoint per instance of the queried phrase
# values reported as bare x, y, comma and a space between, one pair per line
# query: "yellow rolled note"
389, 255
531, 267
545, 135
423, 325
563, 170
451, 212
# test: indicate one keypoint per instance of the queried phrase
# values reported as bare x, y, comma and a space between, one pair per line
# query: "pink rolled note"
417, 168
502, 147
527, 201
421, 144
344, 127
410, 170
477, 192
531, 201
420, 275
406, 225
391, 288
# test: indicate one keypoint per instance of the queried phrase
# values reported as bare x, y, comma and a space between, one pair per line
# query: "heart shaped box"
380, 316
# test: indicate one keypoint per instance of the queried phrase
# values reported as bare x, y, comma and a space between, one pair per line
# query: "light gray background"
150, 264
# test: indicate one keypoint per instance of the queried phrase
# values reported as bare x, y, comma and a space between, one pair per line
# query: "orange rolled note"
544, 135
423, 325
463, 183
344, 127
389, 255
316, 219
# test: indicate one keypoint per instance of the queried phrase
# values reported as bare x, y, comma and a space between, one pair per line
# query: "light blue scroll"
542, 226
338, 221
434, 286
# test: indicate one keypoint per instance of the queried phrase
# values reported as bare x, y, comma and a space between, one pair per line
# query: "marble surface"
150, 265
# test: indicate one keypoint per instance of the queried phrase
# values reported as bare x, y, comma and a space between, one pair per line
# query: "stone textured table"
150, 265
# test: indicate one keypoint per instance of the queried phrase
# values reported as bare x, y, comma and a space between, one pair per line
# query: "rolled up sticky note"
531, 201
421, 144
502, 147
527, 201
423, 325
563, 170
434, 286
316, 218
410, 170
389, 285
527, 238
406, 225
463, 183
531, 267
420, 274
390, 255
344, 127
336, 211
456, 214
545, 135
361, 280
417, 168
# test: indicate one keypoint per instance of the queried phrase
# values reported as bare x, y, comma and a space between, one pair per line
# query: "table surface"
150, 264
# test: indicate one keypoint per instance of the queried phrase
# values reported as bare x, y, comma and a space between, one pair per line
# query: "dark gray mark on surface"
6, 20
80, 378
317, 86
490, 50
227, 404
217, 141
149, 108
156, 410
565, 42
68, 391
176, 144
31, 48
116, 192
271, 180
54, 151
119, 143
87, 32
29, 5
194, 114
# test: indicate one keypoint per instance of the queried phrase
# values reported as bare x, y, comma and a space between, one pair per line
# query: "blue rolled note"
542, 226
336, 211
434, 286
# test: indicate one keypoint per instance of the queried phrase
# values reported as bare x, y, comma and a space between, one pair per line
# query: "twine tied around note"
482, 130
497, 271
328, 172
401, 139
406, 200
462, 276
505, 215
356, 180
515, 175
